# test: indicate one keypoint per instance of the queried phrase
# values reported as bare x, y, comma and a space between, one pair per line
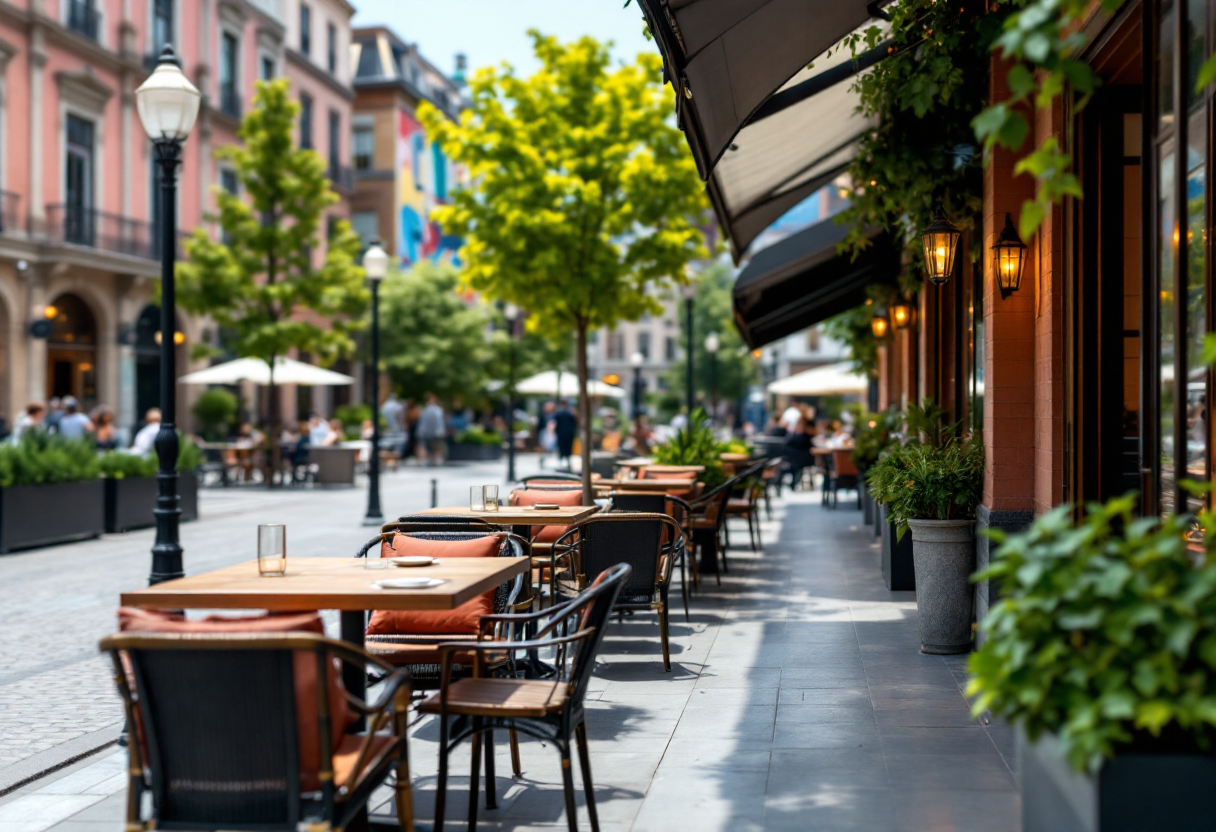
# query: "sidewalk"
798, 700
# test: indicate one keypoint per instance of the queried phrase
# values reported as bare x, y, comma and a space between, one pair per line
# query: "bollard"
434, 493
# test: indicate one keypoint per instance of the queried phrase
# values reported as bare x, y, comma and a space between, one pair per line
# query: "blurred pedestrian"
53, 415
30, 420
74, 424
432, 432
565, 428
106, 432
145, 440
336, 433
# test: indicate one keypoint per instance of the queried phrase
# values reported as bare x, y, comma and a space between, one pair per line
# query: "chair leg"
491, 784
568, 784
751, 528
664, 637
516, 767
441, 783
474, 776
684, 584
584, 759
726, 532
404, 793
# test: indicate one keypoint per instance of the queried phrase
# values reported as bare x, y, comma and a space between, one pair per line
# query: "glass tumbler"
272, 549
489, 496
476, 498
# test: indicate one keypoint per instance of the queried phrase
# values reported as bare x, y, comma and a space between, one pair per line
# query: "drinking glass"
476, 498
272, 549
489, 497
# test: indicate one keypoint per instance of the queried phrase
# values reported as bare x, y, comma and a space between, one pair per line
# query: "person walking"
53, 415
30, 420
565, 428
145, 440
74, 424
432, 431
106, 434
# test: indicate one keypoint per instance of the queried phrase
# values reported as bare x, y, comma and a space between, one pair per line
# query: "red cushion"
533, 496
465, 619
303, 663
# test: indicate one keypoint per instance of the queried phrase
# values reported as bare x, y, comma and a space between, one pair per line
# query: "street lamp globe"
712, 342
511, 313
375, 262
167, 102
690, 290
637, 359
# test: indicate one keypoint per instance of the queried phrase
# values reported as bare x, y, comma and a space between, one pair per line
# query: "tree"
734, 369
256, 280
583, 193
432, 340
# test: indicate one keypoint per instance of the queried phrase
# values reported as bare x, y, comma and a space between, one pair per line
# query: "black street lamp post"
637, 360
511, 311
712, 343
375, 266
690, 292
168, 105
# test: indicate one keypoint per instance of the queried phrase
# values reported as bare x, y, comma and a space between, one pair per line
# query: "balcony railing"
10, 212
341, 176
84, 19
230, 101
97, 229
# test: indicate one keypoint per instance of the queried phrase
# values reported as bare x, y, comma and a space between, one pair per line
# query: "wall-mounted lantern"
902, 314
1009, 258
941, 245
879, 324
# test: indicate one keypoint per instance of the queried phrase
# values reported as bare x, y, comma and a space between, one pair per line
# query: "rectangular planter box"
39, 515
129, 502
897, 569
867, 505
473, 453
1133, 792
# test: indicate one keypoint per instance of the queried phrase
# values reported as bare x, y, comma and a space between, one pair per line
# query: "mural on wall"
425, 173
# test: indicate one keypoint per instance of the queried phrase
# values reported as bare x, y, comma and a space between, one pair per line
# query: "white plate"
409, 583
412, 560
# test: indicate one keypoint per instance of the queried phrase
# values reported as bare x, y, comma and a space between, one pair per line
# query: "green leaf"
1207, 74
1154, 715
1032, 216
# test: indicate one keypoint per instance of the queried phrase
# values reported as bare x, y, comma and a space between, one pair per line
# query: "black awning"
801, 281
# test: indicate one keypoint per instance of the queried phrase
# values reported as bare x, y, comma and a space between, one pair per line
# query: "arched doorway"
71, 351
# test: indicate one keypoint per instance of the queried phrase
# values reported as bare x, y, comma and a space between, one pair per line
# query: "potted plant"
50, 491
131, 487
216, 411
1102, 651
875, 433
932, 486
694, 444
475, 444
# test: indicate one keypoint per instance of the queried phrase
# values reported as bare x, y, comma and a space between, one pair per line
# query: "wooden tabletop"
636, 462
661, 485
329, 584
697, 469
523, 515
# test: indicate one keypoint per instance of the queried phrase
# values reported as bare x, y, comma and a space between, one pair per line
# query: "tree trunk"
272, 430
584, 413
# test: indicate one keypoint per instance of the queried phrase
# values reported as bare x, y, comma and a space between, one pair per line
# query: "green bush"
216, 411
875, 434
694, 444
354, 415
40, 459
1105, 634
477, 435
124, 465
735, 446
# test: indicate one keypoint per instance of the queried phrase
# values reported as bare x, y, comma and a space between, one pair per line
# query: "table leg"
707, 545
354, 625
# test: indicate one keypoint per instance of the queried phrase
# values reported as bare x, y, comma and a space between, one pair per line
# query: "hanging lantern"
941, 244
902, 314
879, 324
1009, 258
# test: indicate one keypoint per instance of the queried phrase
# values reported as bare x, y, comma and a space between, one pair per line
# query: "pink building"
78, 217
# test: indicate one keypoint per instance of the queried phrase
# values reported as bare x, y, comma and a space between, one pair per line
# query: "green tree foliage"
257, 280
694, 444
215, 410
584, 192
735, 370
432, 339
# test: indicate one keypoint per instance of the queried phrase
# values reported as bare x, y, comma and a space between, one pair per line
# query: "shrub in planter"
694, 444
131, 487
932, 487
1104, 642
49, 491
216, 411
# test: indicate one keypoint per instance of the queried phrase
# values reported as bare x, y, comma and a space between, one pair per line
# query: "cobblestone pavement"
798, 700
55, 688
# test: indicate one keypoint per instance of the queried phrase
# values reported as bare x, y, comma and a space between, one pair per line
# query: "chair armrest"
392, 683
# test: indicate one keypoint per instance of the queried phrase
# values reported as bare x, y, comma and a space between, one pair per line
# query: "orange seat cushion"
346, 755
304, 665
651, 474
531, 497
465, 619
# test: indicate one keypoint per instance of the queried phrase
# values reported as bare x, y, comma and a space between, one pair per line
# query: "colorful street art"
425, 174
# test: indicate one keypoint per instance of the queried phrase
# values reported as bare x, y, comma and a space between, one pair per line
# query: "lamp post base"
370, 520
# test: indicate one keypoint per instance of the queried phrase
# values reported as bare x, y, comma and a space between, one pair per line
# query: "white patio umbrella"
829, 380
286, 371
545, 384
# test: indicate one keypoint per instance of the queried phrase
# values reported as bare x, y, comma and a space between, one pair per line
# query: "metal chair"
217, 717
550, 710
649, 502
555, 476
844, 474
635, 539
747, 505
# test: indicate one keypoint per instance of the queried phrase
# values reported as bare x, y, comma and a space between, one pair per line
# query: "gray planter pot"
459, 452
39, 515
130, 502
898, 569
944, 554
1132, 792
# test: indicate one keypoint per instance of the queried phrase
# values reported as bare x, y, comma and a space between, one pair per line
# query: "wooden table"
522, 515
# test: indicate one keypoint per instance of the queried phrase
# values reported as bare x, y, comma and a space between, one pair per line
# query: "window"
267, 68
335, 140
331, 226
78, 182
812, 339
671, 352
230, 101
363, 142
331, 48
162, 24
84, 18
644, 344
305, 29
616, 346
229, 183
306, 121
369, 60
366, 224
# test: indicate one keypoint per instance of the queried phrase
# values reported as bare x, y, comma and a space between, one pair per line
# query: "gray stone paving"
798, 700
54, 687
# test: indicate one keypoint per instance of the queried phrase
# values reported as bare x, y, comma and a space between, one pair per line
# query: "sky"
492, 31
